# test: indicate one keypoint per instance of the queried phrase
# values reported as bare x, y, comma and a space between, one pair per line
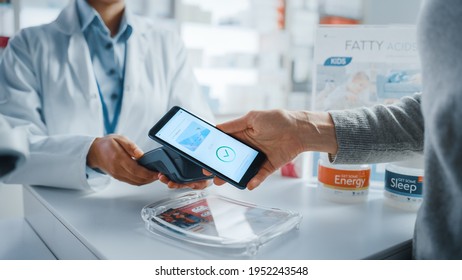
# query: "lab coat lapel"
79, 62
78, 53
81, 65
84, 80
136, 50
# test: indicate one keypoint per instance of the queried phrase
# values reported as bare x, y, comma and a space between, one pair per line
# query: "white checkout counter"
108, 225
19, 242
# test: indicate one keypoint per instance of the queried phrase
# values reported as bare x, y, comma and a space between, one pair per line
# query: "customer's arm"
377, 134
282, 135
382, 133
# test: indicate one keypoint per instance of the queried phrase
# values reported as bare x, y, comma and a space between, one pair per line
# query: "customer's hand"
198, 185
282, 135
116, 155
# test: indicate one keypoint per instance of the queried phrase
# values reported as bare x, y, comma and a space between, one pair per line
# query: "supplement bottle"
343, 183
404, 183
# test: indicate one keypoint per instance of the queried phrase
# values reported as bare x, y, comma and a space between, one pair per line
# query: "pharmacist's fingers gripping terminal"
174, 170
198, 185
115, 155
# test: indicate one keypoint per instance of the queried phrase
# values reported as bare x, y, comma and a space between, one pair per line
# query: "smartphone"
204, 144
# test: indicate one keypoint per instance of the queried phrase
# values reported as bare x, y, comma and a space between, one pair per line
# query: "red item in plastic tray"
3, 41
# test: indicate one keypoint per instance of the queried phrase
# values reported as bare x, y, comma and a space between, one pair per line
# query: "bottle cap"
416, 161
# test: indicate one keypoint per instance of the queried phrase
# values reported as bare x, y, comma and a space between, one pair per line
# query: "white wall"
391, 11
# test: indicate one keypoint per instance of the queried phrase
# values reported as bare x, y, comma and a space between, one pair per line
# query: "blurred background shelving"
246, 54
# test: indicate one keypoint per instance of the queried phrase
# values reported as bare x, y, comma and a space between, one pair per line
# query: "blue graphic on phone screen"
193, 136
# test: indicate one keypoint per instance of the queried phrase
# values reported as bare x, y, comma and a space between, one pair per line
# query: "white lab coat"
48, 89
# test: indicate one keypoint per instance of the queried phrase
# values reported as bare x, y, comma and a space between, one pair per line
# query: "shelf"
223, 76
220, 39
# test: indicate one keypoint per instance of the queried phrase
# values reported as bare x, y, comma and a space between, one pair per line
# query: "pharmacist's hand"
199, 185
116, 155
281, 135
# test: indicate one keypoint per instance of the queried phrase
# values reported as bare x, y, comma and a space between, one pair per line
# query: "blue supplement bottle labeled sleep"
404, 184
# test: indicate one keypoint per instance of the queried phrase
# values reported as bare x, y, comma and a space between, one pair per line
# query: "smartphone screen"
216, 151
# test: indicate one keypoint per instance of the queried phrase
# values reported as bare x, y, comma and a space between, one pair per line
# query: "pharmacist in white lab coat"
76, 85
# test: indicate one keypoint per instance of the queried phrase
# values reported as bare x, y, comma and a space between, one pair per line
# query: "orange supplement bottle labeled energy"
343, 183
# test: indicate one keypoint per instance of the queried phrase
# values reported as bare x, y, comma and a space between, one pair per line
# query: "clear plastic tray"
200, 219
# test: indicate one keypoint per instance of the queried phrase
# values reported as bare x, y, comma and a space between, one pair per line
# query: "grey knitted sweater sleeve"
385, 133
382, 133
